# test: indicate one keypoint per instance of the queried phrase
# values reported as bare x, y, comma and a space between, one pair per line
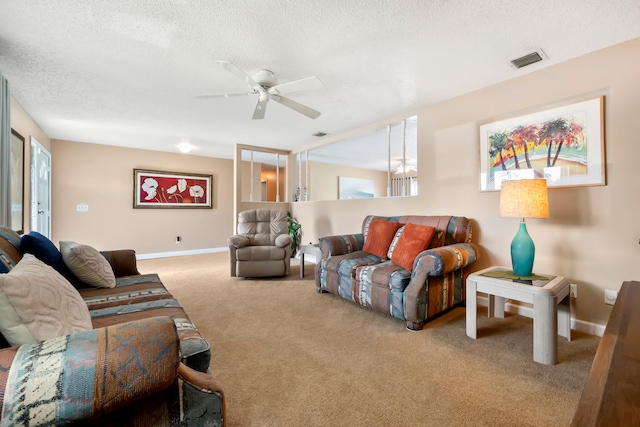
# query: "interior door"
40, 189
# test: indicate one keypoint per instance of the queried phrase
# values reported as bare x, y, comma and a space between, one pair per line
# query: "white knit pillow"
37, 303
88, 265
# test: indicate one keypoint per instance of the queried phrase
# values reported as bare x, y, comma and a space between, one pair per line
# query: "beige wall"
22, 123
102, 177
592, 234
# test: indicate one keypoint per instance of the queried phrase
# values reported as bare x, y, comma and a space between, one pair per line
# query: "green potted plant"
295, 232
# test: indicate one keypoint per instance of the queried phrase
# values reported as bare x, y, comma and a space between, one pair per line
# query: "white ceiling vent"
529, 59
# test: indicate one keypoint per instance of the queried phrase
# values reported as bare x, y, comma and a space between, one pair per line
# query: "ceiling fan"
266, 86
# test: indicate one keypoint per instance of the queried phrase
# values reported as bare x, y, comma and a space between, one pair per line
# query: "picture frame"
565, 145
159, 189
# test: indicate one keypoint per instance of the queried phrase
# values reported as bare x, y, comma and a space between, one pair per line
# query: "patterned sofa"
435, 284
141, 361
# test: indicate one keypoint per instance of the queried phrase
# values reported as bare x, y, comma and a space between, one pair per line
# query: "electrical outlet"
573, 290
178, 239
610, 296
82, 207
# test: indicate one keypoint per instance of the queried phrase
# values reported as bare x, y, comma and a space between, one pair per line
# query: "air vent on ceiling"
320, 134
529, 59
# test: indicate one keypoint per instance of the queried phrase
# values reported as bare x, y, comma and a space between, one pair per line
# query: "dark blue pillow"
3, 268
44, 249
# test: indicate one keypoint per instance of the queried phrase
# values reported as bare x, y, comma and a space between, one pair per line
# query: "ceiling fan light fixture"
404, 168
266, 79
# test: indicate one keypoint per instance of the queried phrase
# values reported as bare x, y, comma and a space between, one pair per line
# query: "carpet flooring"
288, 356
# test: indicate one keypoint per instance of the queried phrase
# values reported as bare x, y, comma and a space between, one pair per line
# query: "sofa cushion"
44, 249
381, 287
379, 237
195, 351
414, 239
394, 242
387, 274
37, 303
128, 290
87, 264
141, 296
260, 253
438, 239
346, 265
262, 226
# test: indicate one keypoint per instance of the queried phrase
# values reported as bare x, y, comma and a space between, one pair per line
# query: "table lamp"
524, 198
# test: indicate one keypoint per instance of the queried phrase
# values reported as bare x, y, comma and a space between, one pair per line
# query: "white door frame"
37, 148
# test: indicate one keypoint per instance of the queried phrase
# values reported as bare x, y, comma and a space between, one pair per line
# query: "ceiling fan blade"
224, 95
261, 108
238, 73
302, 109
309, 83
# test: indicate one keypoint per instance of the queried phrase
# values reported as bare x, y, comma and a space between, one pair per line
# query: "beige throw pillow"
88, 265
37, 303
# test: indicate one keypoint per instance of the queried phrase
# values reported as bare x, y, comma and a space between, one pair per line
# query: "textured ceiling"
125, 72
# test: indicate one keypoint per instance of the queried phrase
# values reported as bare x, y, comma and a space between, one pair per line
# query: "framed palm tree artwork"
157, 189
564, 145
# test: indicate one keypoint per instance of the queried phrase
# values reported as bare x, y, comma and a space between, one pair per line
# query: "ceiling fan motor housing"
266, 79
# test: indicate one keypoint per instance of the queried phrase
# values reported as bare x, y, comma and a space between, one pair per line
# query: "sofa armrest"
283, 240
203, 394
123, 262
341, 245
445, 259
238, 241
434, 262
195, 399
96, 372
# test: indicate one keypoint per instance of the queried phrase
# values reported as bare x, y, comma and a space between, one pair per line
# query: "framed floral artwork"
564, 145
157, 189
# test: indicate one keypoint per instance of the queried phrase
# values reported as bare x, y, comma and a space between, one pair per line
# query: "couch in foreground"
119, 352
410, 267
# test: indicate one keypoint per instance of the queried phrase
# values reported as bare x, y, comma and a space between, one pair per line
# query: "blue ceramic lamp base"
523, 252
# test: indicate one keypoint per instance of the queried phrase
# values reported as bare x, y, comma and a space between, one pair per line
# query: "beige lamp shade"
524, 198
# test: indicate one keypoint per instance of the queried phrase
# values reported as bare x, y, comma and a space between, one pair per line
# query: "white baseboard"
527, 311
181, 253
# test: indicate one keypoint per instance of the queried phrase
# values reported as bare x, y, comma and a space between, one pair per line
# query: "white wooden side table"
551, 307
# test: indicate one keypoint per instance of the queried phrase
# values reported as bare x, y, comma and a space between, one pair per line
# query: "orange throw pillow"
414, 239
379, 237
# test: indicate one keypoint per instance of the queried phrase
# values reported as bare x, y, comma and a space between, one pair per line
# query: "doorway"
40, 189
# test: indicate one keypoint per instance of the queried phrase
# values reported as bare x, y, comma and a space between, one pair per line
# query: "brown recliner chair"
262, 247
